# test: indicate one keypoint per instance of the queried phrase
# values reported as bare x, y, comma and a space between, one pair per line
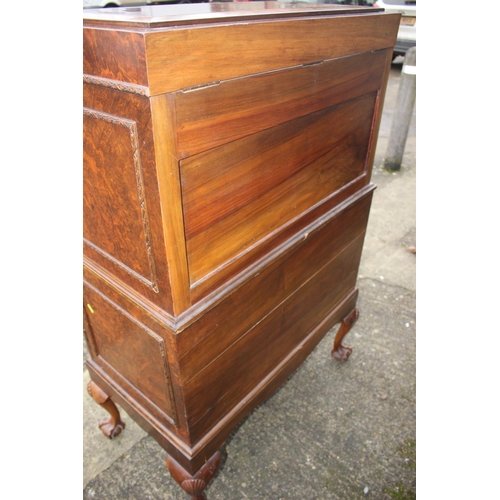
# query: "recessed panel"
242, 193
116, 224
137, 353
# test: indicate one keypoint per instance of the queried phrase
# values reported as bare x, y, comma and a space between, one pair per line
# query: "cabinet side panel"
132, 350
115, 55
122, 218
115, 223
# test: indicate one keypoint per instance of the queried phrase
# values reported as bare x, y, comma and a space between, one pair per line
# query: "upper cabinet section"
167, 48
216, 136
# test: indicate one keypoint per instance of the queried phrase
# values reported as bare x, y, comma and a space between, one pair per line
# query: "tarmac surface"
340, 431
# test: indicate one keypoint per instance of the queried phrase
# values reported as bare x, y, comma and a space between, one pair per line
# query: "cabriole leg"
341, 352
113, 425
194, 485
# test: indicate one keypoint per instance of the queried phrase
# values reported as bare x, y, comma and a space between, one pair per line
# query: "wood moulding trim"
121, 265
177, 22
276, 232
89, 334
189, 316
163, 354
106, 366
131, 125
116, 85
157, 313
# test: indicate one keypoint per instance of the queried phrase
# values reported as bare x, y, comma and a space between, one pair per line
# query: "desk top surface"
165, 16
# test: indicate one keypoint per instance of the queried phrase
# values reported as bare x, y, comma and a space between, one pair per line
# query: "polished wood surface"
171, 16
176, 57
223, 112
261, 183
122, 215
285, 43
227, 162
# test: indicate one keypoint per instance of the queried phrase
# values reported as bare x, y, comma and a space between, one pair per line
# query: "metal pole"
403, 112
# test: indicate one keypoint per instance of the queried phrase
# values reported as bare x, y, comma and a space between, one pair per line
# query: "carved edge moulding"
116, 85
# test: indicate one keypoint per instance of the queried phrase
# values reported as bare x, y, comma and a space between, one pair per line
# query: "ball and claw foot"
194, 485
113, 425
342, 352
110, 429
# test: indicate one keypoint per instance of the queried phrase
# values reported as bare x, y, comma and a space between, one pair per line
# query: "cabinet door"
264, 156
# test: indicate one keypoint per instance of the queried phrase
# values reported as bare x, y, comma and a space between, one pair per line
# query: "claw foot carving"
342, 352
113, 425
194, 485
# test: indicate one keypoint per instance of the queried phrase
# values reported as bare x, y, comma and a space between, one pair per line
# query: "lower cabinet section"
190, 386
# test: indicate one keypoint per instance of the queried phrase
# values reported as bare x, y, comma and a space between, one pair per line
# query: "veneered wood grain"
122, 217
113, 220
177, 59
225, 179
239, 194
194, 456
133, 350
252, 261
151, 319
216, 436
212, 393
117, 55
213, 333
214, 115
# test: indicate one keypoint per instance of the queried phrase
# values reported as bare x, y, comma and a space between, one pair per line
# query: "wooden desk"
227, 159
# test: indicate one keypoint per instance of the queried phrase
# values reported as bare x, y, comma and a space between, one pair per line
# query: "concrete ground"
335, 431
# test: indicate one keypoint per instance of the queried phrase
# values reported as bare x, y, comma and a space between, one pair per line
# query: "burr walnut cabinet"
227, 159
